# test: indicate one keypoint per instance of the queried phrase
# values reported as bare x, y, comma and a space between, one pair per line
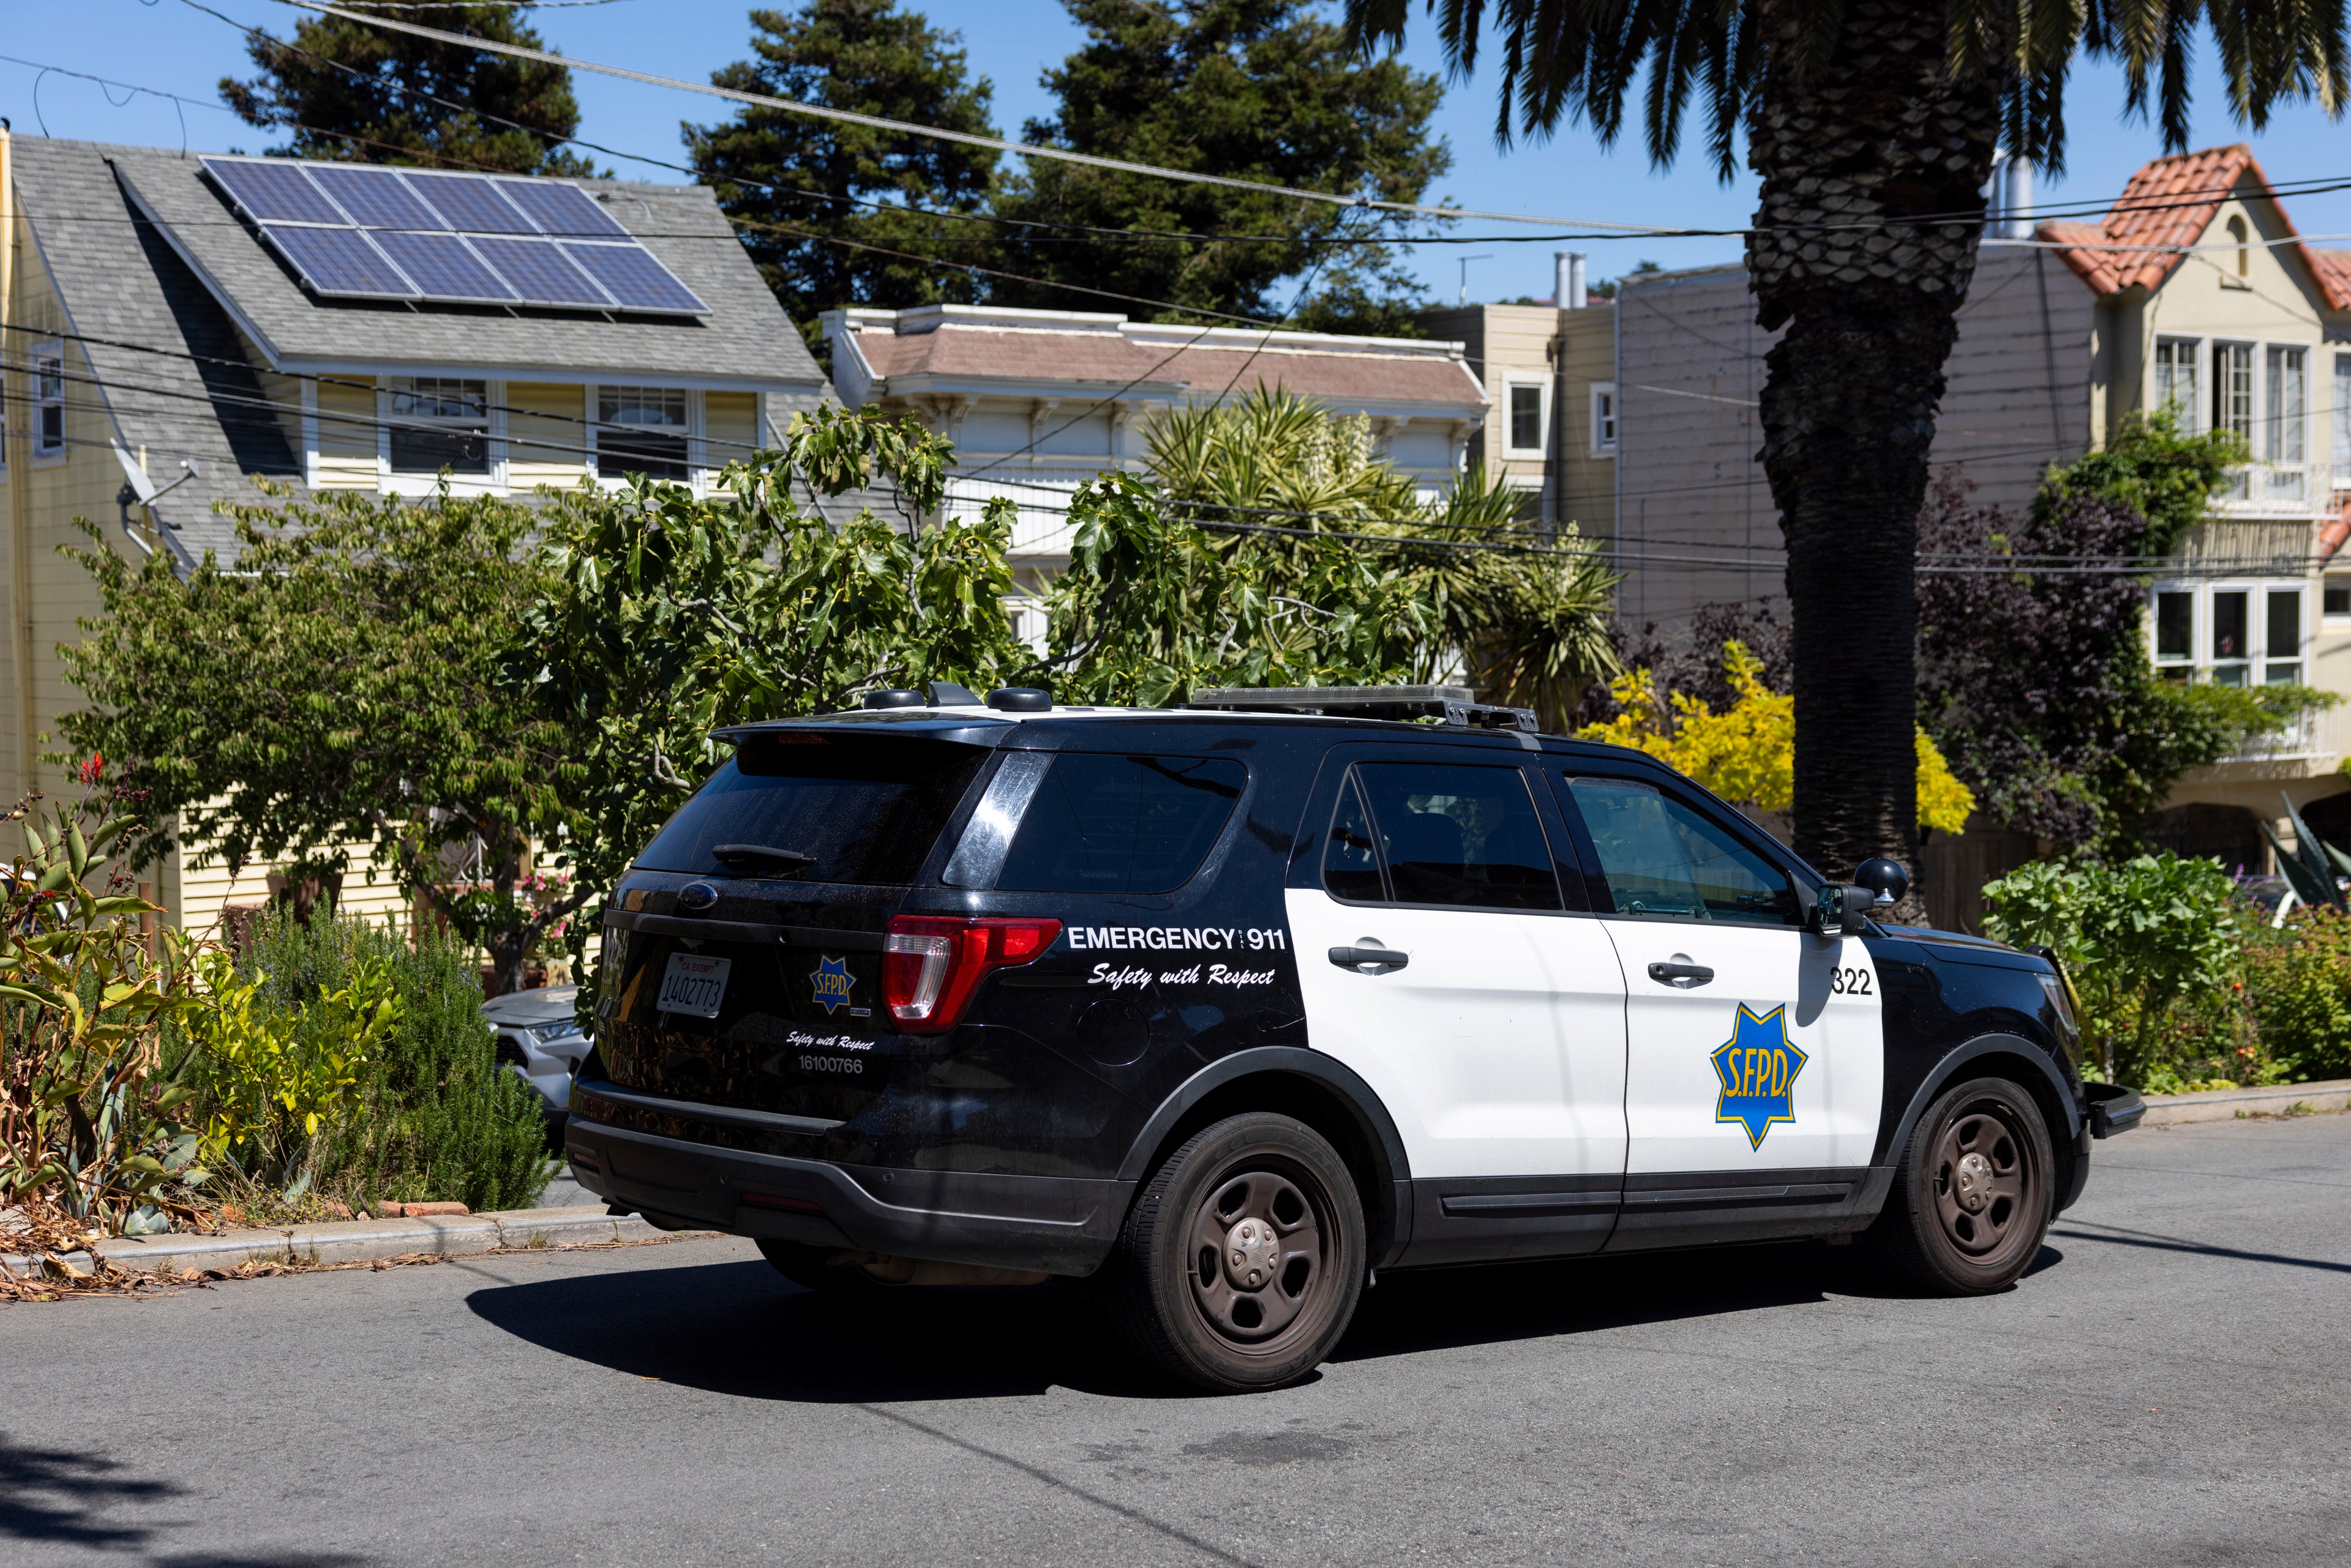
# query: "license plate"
692, 984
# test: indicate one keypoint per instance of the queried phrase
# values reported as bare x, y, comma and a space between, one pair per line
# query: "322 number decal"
1850, 982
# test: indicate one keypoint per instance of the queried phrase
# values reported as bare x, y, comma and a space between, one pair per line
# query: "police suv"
1229, 1006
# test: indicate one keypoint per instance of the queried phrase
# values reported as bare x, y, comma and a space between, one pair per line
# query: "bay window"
2231, 634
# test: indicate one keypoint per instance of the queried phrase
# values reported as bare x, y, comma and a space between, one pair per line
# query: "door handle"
1381, 958
1681, 977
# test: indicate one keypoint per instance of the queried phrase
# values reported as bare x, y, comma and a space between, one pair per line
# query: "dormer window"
440, 422
642, 430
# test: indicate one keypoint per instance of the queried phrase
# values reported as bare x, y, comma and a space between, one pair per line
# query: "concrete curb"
2226, 1105
365, 1240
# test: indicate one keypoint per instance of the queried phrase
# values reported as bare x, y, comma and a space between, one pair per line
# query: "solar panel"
375, 198
274, 191
369, 232
444, 267
539, 274
340, 261
474, 206
564, 211
631, 277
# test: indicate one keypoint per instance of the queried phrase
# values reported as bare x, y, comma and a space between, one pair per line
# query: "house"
2194, 293
1549, 371
1037, 402
178, 326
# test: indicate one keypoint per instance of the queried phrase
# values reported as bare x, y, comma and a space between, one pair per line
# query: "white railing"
2309, 738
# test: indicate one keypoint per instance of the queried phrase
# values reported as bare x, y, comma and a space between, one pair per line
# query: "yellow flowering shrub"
1747, 753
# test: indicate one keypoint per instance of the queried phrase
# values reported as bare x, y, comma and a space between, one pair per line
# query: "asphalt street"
2170, 1385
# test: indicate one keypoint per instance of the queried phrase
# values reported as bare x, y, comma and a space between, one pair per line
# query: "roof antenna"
137, 490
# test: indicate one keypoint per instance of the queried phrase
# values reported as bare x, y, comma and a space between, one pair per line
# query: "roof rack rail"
1454, 704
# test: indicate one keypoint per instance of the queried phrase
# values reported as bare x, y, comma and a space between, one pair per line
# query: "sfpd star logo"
832, 982
1758, 1066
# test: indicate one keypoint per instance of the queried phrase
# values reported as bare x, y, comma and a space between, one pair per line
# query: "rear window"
1121, 825
862, 809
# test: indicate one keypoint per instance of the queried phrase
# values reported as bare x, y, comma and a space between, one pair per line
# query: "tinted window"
1351, 866
862, 809
1459, 835
1121, 825
1665, 861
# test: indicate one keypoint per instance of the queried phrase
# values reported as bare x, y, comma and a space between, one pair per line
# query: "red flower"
89, 771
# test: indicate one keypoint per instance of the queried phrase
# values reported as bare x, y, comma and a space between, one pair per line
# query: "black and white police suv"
1229, 1007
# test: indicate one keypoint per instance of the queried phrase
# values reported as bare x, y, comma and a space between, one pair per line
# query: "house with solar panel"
174, 327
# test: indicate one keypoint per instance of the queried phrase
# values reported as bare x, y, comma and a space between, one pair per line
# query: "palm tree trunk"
1876, 132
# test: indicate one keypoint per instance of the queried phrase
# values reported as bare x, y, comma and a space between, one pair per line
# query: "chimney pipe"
2016, 199
1568, 266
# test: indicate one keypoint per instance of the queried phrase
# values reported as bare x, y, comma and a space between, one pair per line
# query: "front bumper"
1054, 1224
2113, 1108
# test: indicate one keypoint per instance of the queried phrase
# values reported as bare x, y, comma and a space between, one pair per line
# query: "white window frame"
2190, 408
2334, 582
2285, 437
698, 471
40, 401
2339, 402
2258, 656
1541, 386
494, 397
1607, 419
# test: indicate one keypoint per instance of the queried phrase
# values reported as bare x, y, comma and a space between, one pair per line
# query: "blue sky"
167, 44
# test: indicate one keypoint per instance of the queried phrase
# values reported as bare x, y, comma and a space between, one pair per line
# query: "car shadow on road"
741, 1330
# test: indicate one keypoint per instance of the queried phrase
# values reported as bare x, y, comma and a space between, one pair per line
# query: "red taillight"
931, 964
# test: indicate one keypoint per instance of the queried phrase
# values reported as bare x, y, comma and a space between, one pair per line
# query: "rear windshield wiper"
743, 857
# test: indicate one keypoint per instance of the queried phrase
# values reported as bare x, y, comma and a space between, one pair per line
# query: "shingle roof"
122, 278
2166, 208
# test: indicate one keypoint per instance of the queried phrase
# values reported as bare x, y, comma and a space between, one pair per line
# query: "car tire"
1974, 1193
1241, 1262
809, 1268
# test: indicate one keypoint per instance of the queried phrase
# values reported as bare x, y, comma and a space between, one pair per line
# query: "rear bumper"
1059, 1225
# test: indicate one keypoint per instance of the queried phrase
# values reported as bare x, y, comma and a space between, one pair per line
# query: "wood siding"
547, 435
1691, 359
730, 428
348, 444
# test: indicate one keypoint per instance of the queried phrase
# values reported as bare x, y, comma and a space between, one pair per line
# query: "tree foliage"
2037, 682
355, 93
665, 615
802, 186
1746, 752
338, 684
1255, 90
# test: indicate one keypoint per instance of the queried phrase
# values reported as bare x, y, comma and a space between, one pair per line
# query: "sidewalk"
364, 1240
2226, 1105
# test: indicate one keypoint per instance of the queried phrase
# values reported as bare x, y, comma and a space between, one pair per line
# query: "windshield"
851, 809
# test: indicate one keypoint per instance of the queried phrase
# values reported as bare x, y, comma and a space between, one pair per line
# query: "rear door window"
1664, 860
863, 810
1100, 823
1444, 835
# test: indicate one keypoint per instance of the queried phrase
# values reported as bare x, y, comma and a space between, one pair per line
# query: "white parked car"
539, 1036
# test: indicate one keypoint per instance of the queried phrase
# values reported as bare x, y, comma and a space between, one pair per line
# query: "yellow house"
2208, 303
173, 328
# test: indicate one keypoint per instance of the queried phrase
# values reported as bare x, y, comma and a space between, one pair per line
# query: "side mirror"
1885, 878
1842, 911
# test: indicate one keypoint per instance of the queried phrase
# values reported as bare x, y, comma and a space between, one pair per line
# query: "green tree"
359, 94
336, 684
801, 185
1258, 89
667, 615
1159, 601
1873, 125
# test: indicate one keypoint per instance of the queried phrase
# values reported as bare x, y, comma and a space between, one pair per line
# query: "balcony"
2310, 738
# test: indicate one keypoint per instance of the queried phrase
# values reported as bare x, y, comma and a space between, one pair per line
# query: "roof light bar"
1454, 704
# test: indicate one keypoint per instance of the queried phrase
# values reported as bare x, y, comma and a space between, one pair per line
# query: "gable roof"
2164, 209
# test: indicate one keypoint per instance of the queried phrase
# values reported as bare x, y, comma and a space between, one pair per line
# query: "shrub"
430, 1114
2298, 988
2154, 945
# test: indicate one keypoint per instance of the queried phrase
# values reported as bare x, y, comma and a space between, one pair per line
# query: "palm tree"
1873, 125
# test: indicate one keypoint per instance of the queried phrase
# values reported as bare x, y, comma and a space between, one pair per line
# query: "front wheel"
1971, 1197
1241, 1262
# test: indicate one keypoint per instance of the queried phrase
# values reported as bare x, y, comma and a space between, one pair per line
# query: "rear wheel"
1971, 1197
1241, 1262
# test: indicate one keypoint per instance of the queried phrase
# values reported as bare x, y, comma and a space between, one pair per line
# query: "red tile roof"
2167, 207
